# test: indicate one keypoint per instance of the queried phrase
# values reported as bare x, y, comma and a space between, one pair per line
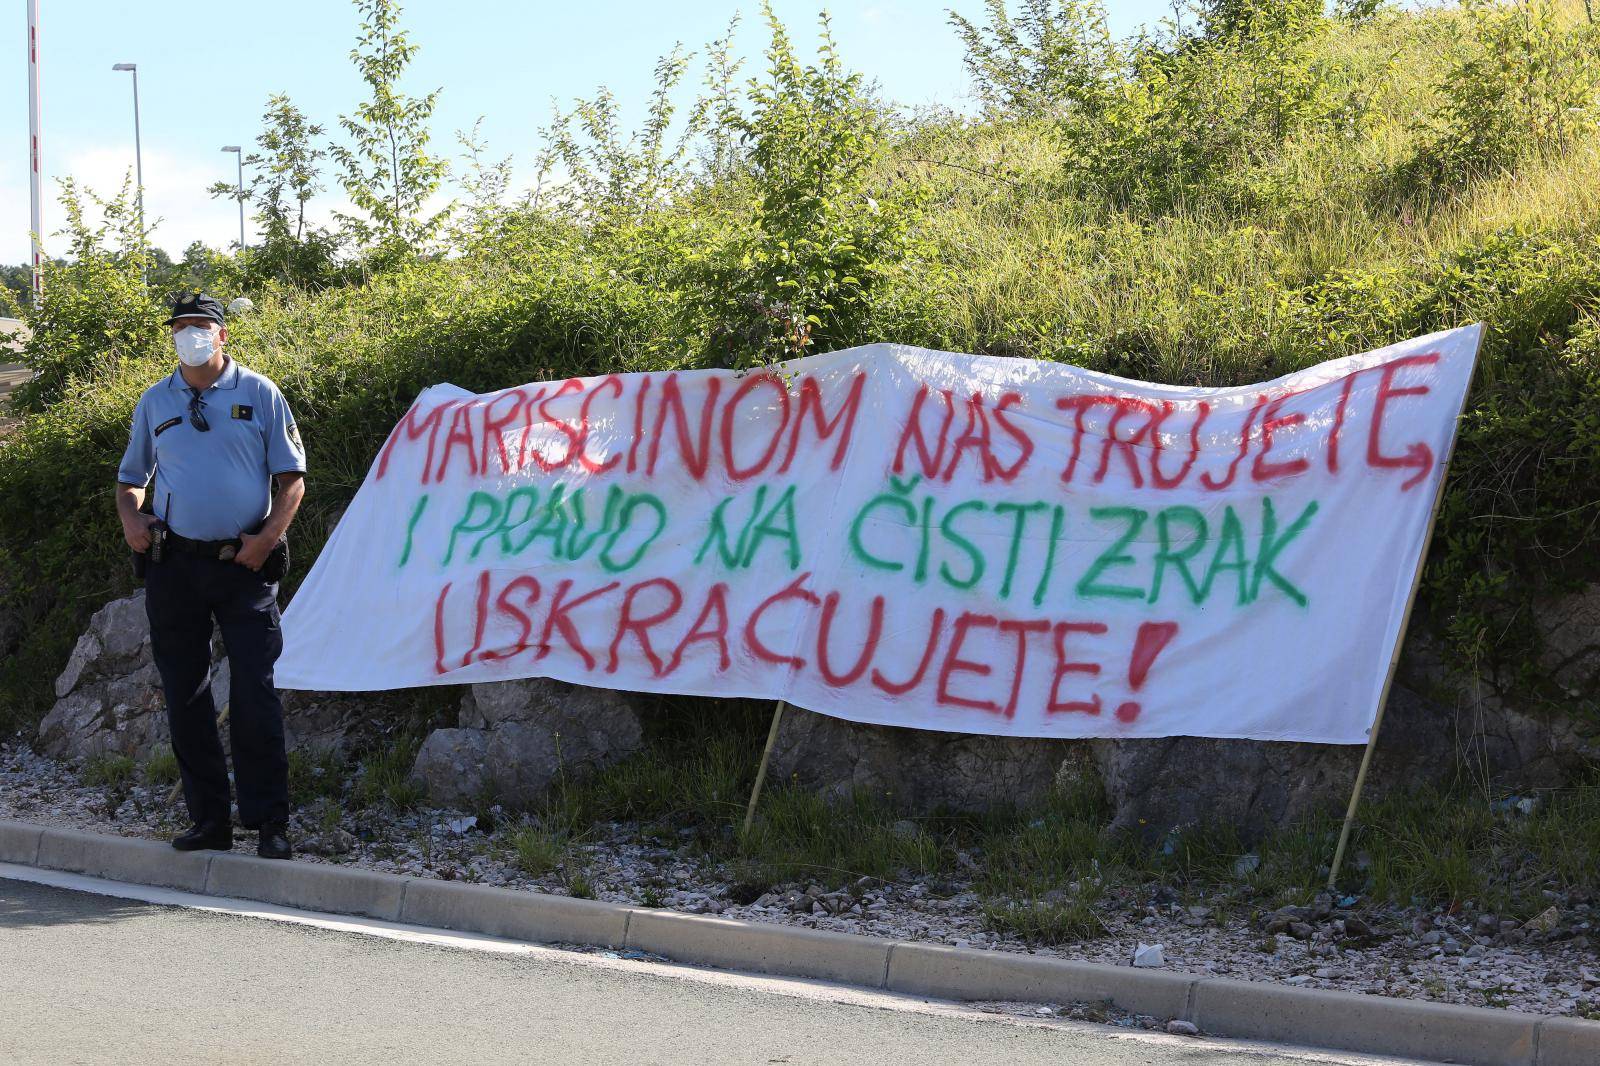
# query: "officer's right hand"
137, 532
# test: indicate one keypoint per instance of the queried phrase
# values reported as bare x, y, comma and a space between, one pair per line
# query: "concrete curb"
962, 973
1244, 1009
761, 948
518, 915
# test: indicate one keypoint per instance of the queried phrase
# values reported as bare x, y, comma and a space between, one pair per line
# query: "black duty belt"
210, 549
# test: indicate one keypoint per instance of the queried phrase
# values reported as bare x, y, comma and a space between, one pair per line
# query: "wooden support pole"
761, 772
1400, 638
1372, 738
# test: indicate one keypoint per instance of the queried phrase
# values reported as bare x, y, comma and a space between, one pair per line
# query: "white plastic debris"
460, 825
1149, 955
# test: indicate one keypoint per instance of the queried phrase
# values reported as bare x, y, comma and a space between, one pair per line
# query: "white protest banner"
906, 537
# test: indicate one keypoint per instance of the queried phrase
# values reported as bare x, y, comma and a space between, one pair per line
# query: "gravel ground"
1549, 965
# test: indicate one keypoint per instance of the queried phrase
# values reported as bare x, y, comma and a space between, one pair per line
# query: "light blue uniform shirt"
212, 485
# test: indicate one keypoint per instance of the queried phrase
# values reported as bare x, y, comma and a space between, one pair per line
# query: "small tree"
387, 172
202, 269
1052, 56
819, 241
612, 179
286, 173
718, 109
485, 181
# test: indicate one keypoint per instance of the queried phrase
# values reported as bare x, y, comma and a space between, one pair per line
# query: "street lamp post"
138, 153
239, 155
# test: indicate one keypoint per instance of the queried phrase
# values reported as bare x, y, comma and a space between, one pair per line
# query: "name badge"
242, 411
168, 424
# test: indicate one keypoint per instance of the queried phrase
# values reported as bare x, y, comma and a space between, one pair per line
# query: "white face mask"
195, 345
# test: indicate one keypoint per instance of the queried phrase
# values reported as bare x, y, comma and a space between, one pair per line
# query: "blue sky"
205, 70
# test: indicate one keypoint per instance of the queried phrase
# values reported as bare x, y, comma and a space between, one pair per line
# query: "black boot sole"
213, 844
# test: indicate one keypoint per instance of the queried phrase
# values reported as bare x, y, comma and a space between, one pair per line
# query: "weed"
161, 768
749, 882
385, 776
801, 834
578, 884
1063, 840
423, 840
314, 774
537, 851
327, 814
1041, 922
115, 772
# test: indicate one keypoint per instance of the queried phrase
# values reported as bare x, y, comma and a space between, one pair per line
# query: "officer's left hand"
253, 551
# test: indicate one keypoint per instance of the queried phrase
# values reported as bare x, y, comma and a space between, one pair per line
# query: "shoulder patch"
294, 435
168, 424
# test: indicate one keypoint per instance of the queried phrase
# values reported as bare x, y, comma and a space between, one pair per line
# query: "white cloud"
176, 200
176, 197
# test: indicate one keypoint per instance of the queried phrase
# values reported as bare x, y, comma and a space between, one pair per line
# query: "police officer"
216, 436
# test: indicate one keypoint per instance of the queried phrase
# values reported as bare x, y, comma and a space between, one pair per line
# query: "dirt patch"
11, 376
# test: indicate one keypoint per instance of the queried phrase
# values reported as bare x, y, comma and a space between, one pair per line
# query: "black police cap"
196, 305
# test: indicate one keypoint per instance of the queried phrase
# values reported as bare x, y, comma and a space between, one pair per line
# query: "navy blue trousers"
183, 595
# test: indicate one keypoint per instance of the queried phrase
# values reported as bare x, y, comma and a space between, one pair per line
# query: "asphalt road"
90, 979
11, 376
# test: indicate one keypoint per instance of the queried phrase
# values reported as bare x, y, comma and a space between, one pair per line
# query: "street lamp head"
231, 148
126, 66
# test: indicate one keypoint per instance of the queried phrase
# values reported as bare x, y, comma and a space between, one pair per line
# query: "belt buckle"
227, 553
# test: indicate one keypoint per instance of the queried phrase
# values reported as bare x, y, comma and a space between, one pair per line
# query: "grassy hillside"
1267, 189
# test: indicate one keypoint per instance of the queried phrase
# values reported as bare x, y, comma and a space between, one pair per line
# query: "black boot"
206, 836
274, 842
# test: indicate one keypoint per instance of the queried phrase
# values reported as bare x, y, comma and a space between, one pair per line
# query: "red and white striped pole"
35, 151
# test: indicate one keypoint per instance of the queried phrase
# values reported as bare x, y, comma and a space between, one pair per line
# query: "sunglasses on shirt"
197, 417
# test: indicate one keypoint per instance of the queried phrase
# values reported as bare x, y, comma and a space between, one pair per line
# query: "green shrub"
1525, 80
96, 316
1188, 116
824, 231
